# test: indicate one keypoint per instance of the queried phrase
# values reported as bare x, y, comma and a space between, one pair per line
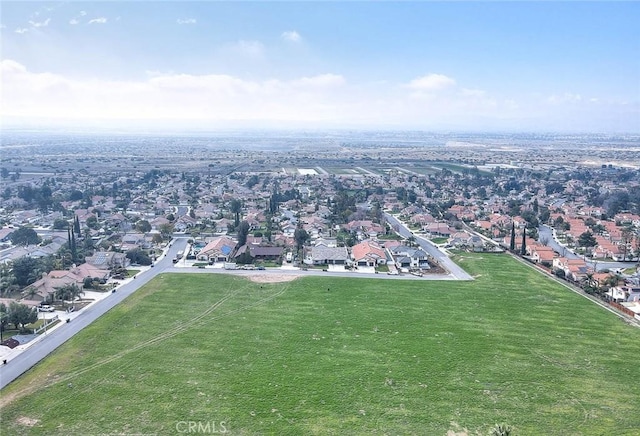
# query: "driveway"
444, 260
548, 233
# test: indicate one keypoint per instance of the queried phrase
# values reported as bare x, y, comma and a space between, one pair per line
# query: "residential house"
324, 255
574, 269
219, 249
107, 260
44, 288
5, 234
368, 253
410, 257
184, 223
87, 270
541, 254
260, 252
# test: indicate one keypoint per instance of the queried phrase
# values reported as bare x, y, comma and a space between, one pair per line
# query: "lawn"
439, 240
323, 355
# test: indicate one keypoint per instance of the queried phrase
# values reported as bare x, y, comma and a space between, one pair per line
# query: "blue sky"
535, 66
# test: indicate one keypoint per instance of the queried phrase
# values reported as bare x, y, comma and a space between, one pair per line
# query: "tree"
157, 238
523, 248
25, 270
143, 226
4, 318
590, 285
76, 225
587, 239
21, 314
243, 232
138, 256
92, 222
75, 195
25, 236
68, 292
301, 236
60, 224
236, 208
627, 237
512, 243
72, 246
166, 229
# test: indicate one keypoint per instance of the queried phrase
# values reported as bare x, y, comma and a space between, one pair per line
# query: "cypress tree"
512, 244
523, 249
76, 225
74, 251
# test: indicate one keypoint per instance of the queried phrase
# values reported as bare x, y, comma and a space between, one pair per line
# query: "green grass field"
324, 355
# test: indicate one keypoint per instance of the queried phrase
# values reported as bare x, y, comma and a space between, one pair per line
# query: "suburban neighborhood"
68, 232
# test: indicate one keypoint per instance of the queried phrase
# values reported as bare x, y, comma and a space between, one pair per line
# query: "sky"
469, 66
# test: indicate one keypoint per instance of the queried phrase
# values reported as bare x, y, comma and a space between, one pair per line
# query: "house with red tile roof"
368, 253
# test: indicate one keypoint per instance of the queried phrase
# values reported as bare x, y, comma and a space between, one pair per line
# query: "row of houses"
324, 251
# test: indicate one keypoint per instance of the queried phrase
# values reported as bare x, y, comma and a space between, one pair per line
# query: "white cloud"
431, 82
322, 100
100, 20
163, 96
44, 23
21, 30
291, 36
186, 21
10, 66
73, 21
464, 92
83, 13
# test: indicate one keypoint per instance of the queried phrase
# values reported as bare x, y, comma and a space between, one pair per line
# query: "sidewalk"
10, 353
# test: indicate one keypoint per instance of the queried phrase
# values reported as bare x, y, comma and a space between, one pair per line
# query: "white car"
46, 308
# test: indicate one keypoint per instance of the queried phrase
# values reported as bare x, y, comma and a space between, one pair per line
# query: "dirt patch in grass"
272, 278
27, 422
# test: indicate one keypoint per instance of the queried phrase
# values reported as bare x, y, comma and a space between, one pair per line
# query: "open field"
322, 355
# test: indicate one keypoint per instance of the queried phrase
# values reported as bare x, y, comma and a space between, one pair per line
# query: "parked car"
46, 308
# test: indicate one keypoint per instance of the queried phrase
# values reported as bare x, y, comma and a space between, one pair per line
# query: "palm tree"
68, 292
589, 284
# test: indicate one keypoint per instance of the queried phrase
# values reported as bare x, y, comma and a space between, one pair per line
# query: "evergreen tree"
74, 251
76, 225
523, 249
512, 243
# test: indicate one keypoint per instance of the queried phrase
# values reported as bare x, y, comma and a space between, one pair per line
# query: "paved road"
430, 248
52, 340
547, 233
33, 354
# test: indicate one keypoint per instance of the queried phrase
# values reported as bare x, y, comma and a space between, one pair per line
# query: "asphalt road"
430, 248
47, 343
547, 233
52, 340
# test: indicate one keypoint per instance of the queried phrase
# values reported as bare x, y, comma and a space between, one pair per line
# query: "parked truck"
178, 256
230, 265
